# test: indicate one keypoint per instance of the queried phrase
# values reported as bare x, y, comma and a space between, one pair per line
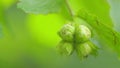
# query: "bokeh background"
29, 40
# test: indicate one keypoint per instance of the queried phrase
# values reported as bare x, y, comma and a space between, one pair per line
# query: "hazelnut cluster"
76, 37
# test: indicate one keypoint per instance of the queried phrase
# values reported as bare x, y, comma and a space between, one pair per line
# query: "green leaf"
100, 8
105, 34
40, 6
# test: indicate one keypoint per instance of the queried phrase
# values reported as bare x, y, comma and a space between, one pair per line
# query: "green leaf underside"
100, 8
106, 34
40, 6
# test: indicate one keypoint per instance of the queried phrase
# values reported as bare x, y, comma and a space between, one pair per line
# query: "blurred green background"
29, 41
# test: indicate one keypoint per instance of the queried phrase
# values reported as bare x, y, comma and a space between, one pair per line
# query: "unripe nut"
65, 48
85, 49
67, 32
82, 33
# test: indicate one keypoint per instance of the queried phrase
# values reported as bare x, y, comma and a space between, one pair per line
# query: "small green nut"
65, 48
82, 33
85, 49
67, 32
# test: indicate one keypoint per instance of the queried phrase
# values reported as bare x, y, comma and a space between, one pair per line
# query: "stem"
72, 15
69, 8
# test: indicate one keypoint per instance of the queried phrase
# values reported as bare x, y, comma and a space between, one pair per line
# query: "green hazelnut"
85, 49
65, 48
82, 33
67, 32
